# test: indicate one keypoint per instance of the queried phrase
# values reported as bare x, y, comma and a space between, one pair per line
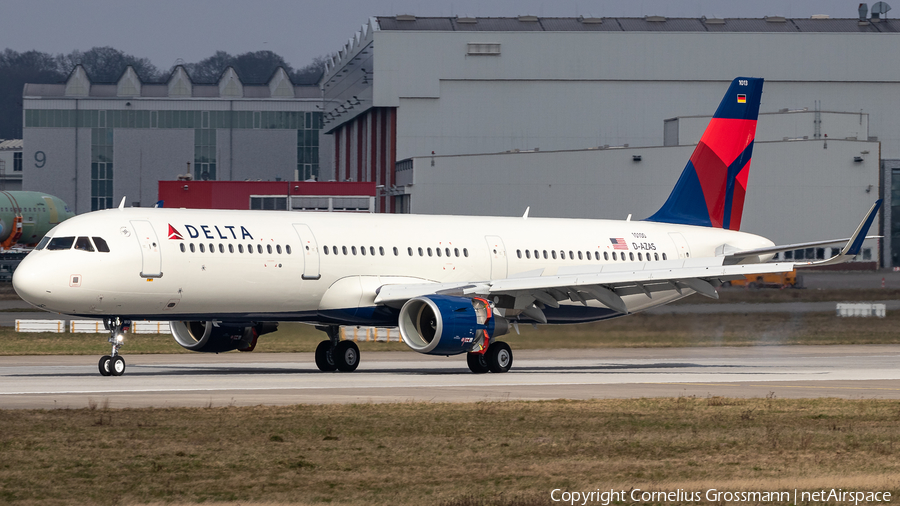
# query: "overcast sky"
167, 30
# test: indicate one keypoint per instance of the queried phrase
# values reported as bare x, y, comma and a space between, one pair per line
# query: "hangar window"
287, 249
481, 48
182, 247
202, 248
192, 247
465, 252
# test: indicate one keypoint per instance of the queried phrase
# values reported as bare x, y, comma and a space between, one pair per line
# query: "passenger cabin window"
60, 243
259, 248
287, 249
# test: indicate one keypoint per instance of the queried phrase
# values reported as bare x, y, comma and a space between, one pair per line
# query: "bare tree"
106, 64
312, 73
16, 69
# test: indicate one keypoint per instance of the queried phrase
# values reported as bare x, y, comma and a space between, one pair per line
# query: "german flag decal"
742, 99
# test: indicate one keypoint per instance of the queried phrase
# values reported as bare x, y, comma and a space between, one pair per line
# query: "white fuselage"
178, 264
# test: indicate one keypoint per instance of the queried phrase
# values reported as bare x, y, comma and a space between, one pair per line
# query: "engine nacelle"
208, 337
443, 325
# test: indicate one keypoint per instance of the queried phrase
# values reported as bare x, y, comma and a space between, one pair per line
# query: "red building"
274, 195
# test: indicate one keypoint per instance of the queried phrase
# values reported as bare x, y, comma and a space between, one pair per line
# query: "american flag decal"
618, 243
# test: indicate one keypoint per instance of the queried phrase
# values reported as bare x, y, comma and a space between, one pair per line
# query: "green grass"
509, 453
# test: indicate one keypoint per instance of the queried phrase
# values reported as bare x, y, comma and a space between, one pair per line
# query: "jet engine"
444, 325
215, 337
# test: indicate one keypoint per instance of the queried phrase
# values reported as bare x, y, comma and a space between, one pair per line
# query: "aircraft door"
151, 257
498, 256
309, 250
681, 245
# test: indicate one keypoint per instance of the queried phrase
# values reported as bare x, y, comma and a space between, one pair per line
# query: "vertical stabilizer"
711, 190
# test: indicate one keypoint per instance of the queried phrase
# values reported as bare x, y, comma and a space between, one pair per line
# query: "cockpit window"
102, 247
83, 244
58, 243
43, 243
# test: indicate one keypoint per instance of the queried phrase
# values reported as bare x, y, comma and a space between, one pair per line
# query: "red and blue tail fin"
711, 190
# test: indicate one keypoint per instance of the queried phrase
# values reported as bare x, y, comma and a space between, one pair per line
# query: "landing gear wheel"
499, 357
117, 365
104, 365
346, 356
324, 357
477, 363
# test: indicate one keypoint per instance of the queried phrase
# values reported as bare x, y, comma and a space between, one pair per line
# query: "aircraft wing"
607, 283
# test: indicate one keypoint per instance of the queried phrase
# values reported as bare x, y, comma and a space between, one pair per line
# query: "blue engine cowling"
208, 337
443, 325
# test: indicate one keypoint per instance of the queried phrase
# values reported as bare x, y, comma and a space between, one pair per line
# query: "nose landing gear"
114, 364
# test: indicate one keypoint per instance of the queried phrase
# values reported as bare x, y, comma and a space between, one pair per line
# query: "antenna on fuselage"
122, 204
525, 216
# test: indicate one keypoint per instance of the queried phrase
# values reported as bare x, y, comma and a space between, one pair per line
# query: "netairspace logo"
712, 495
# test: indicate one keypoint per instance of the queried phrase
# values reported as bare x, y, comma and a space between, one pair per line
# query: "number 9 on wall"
40, 159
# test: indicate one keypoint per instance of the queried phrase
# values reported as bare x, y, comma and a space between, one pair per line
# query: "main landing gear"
334, 354
497, 358
114, 364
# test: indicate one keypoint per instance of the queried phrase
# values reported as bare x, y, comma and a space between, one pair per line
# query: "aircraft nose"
31, 283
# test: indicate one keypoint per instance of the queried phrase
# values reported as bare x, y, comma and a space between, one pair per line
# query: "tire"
346, 356
324, 360
117, 365
477, 363
104, 365
499, 357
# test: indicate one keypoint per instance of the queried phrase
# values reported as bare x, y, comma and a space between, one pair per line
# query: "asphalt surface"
871, 371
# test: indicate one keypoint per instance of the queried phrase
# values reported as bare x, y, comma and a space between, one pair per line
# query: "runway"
275, 379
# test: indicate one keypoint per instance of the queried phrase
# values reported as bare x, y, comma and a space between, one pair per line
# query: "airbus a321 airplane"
453, 284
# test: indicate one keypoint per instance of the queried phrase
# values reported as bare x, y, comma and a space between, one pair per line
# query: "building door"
498, 256
681, 245
151, 258
309, 250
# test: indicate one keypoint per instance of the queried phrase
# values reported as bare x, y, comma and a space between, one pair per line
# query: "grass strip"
505, 453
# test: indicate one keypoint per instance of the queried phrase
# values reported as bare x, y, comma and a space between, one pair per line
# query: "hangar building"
91, 143
483, 115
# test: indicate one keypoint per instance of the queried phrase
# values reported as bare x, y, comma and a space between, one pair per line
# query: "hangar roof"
645, 24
